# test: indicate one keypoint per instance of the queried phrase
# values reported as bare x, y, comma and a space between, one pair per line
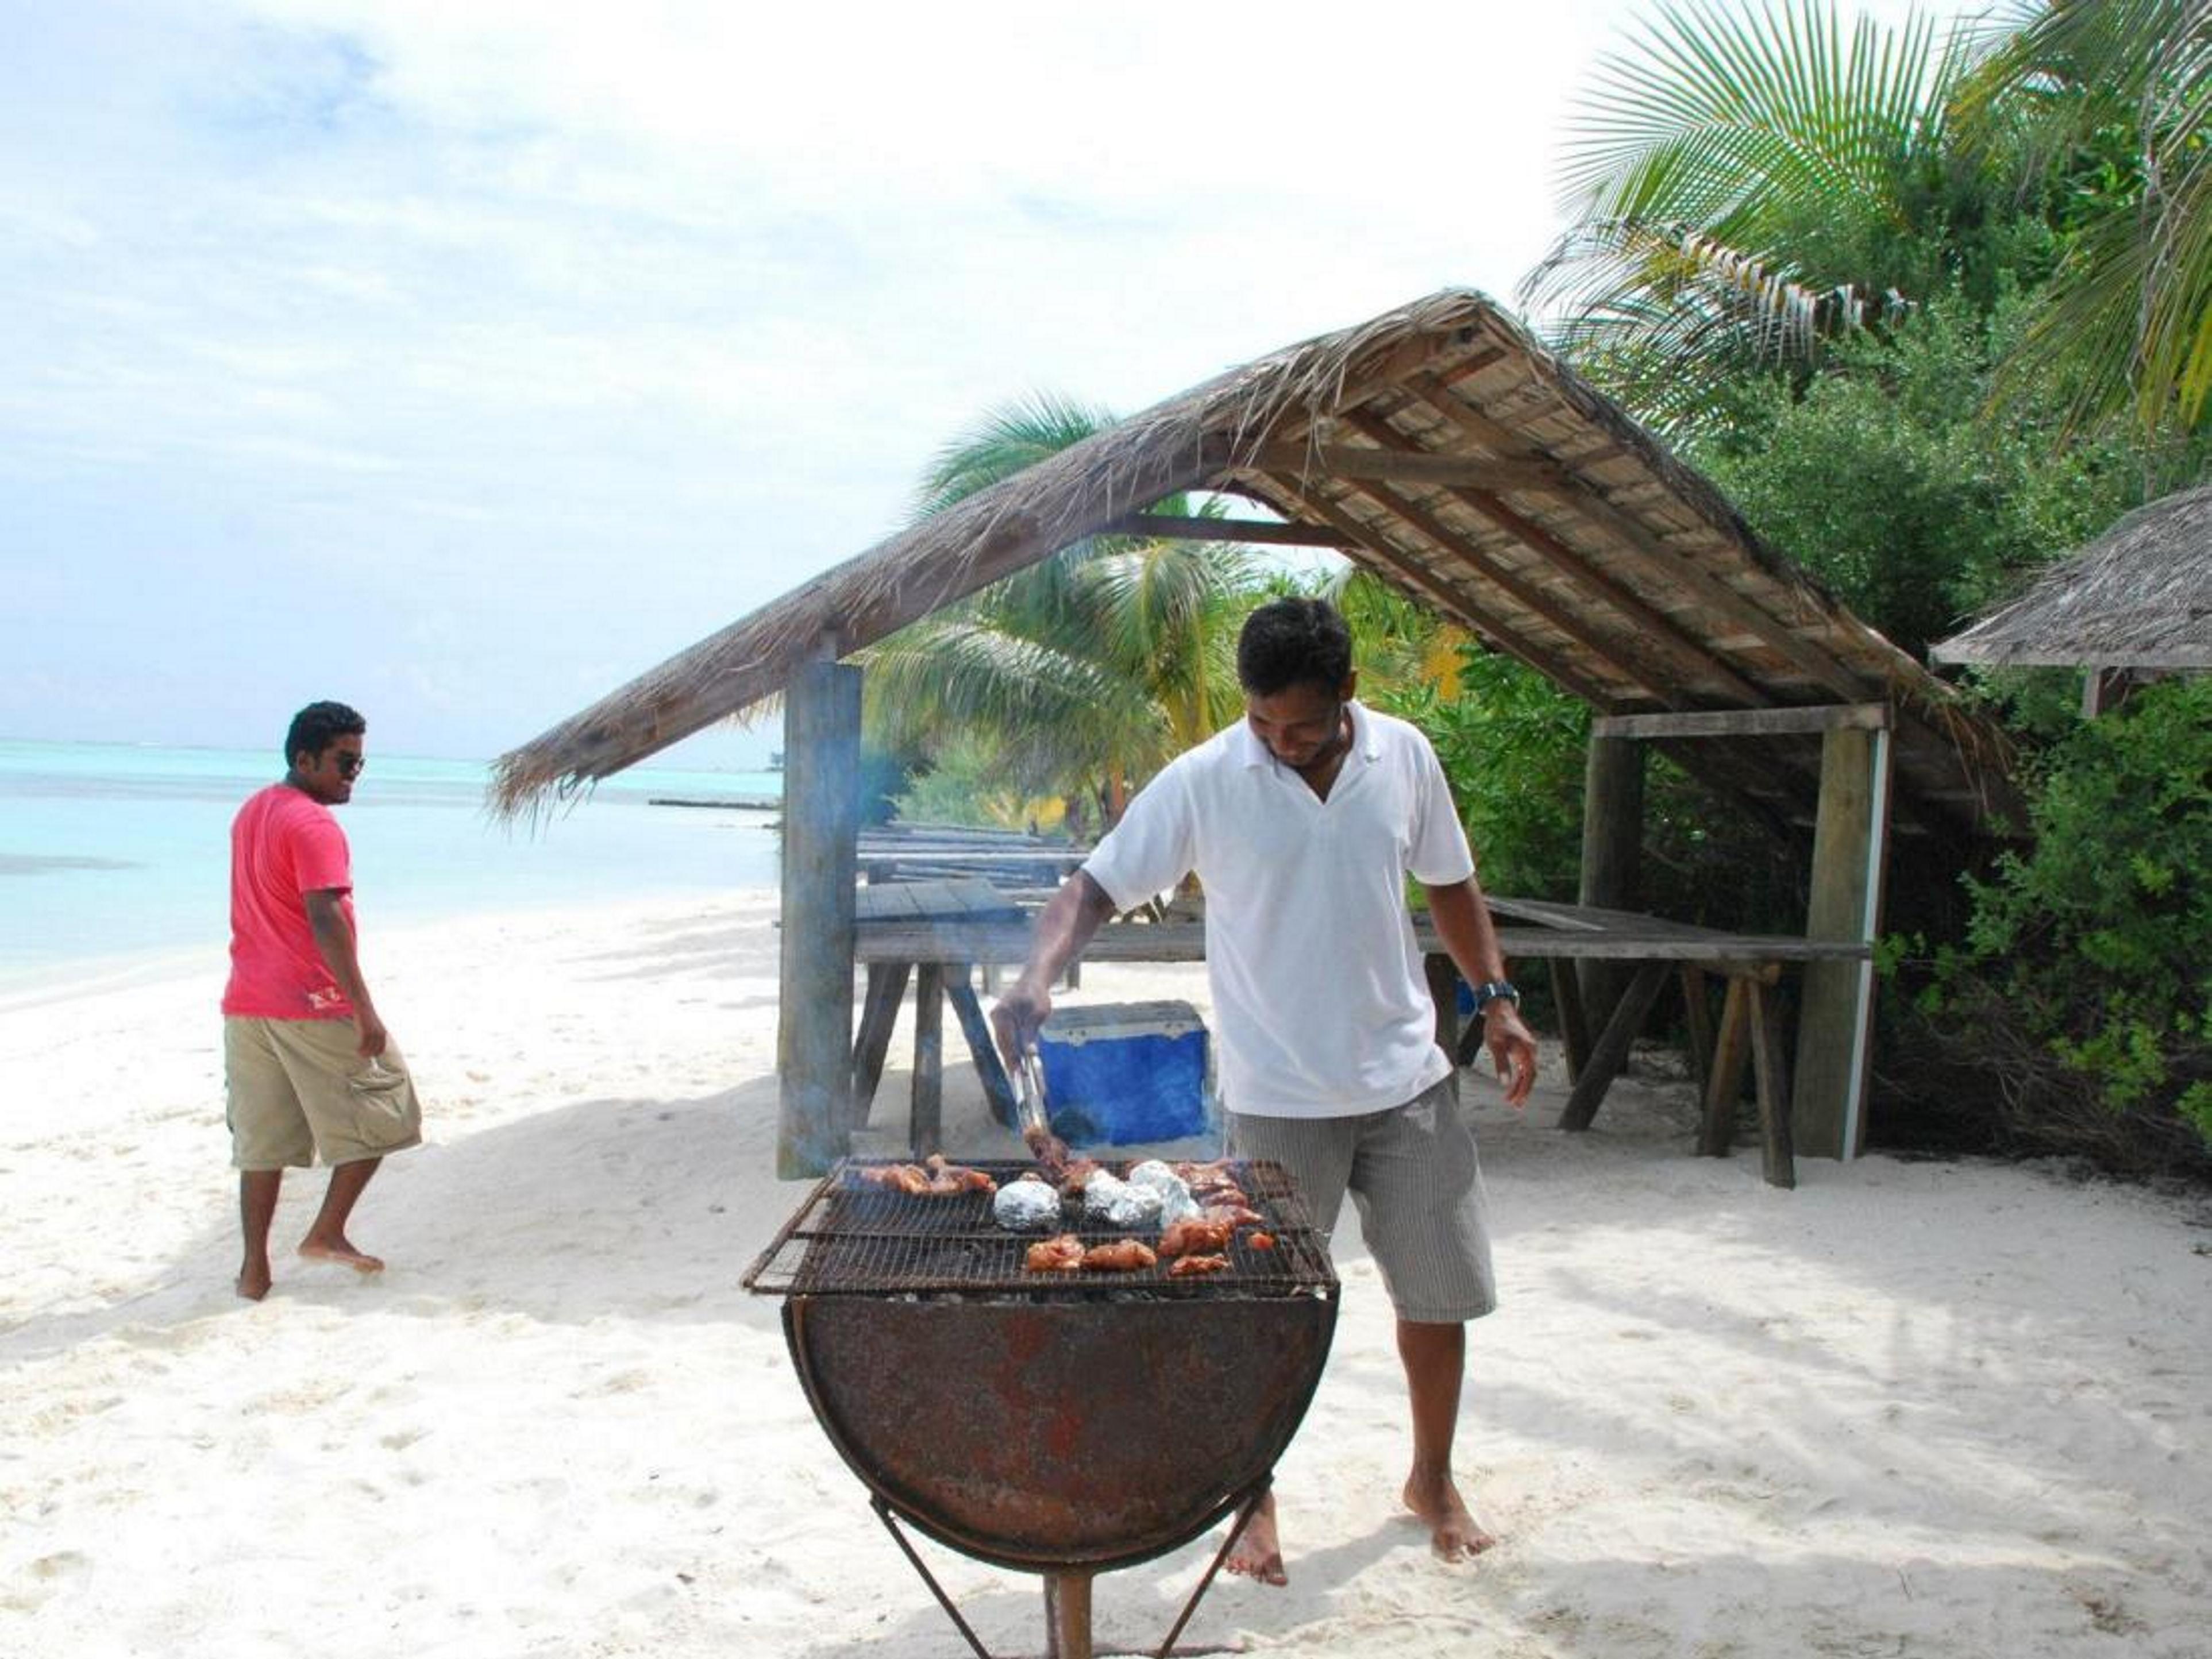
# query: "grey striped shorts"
1412, 1172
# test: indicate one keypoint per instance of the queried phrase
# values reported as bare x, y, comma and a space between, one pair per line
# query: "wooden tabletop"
1573, 932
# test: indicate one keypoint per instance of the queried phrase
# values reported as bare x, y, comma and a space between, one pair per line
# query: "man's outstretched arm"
1064, 926
1463, 919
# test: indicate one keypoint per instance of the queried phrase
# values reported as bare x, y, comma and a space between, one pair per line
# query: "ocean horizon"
114, 854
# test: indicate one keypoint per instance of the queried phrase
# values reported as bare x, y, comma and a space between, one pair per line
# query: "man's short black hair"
319, 726
1288, 642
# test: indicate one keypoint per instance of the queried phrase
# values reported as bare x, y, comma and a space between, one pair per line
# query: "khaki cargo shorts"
1412, 1170
299, 1091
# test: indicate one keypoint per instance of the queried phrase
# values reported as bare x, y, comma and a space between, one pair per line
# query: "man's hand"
1049, 1150
1016, 1018
370, 1031
1512, 1050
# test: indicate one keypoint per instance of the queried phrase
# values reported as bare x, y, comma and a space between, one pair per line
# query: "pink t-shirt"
284, 846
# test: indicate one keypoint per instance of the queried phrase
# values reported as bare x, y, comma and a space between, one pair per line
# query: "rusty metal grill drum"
1051, 1423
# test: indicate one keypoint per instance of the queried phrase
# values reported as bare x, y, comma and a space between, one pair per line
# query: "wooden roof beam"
1525, 594
1365, 542
1686, 654
1400, 465
1162, 527
1640, 541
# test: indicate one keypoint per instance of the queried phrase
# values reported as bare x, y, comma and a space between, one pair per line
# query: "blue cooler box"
1126, 1072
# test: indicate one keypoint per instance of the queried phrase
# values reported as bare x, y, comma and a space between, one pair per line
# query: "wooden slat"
1670, 567
1185, 941
1690, 655
1259, 531
1398, 465
1454, 601
1746, 722
1627, 665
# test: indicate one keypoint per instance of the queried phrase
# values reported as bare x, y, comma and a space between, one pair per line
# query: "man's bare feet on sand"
1259, 1554
254, 1279
341, 1251
1455, 1535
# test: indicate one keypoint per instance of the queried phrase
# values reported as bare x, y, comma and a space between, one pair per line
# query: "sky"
463, 360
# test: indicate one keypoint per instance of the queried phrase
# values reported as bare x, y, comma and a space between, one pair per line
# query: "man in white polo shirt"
1303, 822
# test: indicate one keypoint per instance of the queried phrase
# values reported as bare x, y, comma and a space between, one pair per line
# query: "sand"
1912, 1407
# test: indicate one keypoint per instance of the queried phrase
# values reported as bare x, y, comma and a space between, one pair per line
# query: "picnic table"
972, 923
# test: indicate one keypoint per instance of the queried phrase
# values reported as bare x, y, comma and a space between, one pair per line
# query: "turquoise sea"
112, 853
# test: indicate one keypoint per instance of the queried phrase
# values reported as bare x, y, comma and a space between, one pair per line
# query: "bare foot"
1259, 1553
340, 1250
1455, 1535
254, 1279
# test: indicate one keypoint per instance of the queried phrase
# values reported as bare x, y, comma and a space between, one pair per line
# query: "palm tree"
1082, 675
1749, 185
2116, 98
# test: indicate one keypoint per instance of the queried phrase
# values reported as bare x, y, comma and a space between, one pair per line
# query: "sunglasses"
348, 764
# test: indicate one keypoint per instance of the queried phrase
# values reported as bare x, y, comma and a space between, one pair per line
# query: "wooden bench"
943, 951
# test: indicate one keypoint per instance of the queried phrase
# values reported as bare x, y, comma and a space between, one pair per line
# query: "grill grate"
854, 1238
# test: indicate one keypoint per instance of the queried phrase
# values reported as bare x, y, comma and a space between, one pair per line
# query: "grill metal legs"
1068, 1595
1067, 1615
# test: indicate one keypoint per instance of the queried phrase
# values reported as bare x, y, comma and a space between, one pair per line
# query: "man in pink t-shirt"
309, 1069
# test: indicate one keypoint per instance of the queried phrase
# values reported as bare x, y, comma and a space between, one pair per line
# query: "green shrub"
2086, 956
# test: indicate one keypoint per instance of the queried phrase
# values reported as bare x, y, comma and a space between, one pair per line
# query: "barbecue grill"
1059, 1424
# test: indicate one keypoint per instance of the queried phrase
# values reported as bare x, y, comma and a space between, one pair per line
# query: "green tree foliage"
2092, 943
1886, 476
1750, 183
1081, 675
1511, 745
2113, 101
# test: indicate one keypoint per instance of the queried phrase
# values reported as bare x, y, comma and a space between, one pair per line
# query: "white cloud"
583, 328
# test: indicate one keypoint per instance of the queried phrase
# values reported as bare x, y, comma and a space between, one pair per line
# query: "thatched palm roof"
1443, 448
2140, 596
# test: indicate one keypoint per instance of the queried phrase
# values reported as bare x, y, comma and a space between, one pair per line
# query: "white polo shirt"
1320, 1006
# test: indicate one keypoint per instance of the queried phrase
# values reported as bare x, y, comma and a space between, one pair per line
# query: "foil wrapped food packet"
1118, 1203
1027, 1206
1175, 1202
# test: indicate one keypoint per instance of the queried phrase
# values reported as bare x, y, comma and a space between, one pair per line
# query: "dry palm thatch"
1443, 448
2140, 596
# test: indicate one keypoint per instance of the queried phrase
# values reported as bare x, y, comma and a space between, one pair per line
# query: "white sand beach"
1911, 1409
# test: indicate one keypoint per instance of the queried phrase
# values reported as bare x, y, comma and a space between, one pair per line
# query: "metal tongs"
1036, 1121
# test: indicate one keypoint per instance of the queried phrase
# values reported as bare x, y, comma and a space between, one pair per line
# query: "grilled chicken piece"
1062, 1254
1232, 1216
909, 1178
1262, 1241
1187, 1265
1203, 1236
1119, 1255
949, 1180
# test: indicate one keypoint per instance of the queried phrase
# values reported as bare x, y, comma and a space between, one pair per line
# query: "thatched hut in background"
1442, 448
2134, 604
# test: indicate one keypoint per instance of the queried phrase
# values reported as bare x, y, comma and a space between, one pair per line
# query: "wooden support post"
927, 1124
983, 1047
1697, 1021
1611, 1054
1778, 1156
878, 1015
821, 839
1724, 1082
1612, 858
1835, 1011
1574, 1024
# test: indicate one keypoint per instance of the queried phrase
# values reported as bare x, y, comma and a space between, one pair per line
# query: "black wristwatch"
1493, 990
